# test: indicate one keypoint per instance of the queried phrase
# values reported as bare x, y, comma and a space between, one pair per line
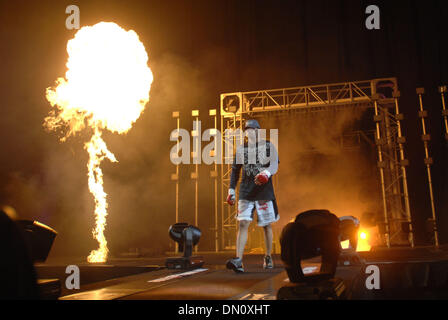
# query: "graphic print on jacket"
253, 160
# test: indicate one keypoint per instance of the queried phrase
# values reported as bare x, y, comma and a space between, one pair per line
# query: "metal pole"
223, 152
381, 163
403, 163
196, 160
443, 90
176, 175
214, 175
428, 162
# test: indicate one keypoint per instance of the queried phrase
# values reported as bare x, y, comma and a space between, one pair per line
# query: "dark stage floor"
148, 279
420, 273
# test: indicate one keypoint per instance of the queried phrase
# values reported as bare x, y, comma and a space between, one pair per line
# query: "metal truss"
381, 95
305, 98
228, 213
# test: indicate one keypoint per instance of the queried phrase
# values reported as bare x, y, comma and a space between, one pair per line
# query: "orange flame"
106, 86
97, 150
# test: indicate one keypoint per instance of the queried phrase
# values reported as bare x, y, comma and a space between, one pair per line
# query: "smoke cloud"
325, 164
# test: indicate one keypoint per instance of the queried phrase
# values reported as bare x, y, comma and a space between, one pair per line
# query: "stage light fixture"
313, 233
349, 231
349, 227
187, 236
39, 238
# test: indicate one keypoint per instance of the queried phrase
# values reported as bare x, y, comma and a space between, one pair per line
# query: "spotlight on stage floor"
349, 231
187, 237
314, 233
38, 237
349, 227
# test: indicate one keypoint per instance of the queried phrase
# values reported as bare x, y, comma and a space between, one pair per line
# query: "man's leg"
268, 238
266, 216
244, 217
242, 238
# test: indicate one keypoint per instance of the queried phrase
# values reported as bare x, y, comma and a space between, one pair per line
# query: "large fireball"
107, 82
106, 87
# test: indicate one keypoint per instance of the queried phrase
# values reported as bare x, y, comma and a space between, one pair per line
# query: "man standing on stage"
259, 161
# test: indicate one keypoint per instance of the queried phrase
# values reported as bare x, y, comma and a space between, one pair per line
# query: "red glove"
262, 178
231, 197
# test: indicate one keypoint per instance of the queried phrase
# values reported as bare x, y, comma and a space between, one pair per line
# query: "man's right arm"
234, 177
236, 169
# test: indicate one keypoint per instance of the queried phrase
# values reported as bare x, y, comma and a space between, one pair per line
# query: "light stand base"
193, 262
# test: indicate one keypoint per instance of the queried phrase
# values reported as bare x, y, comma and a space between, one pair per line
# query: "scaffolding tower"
381, 95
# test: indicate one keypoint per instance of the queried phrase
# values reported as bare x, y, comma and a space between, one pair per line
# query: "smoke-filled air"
326, 162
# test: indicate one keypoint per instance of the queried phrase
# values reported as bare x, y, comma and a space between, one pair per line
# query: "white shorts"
265, 211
